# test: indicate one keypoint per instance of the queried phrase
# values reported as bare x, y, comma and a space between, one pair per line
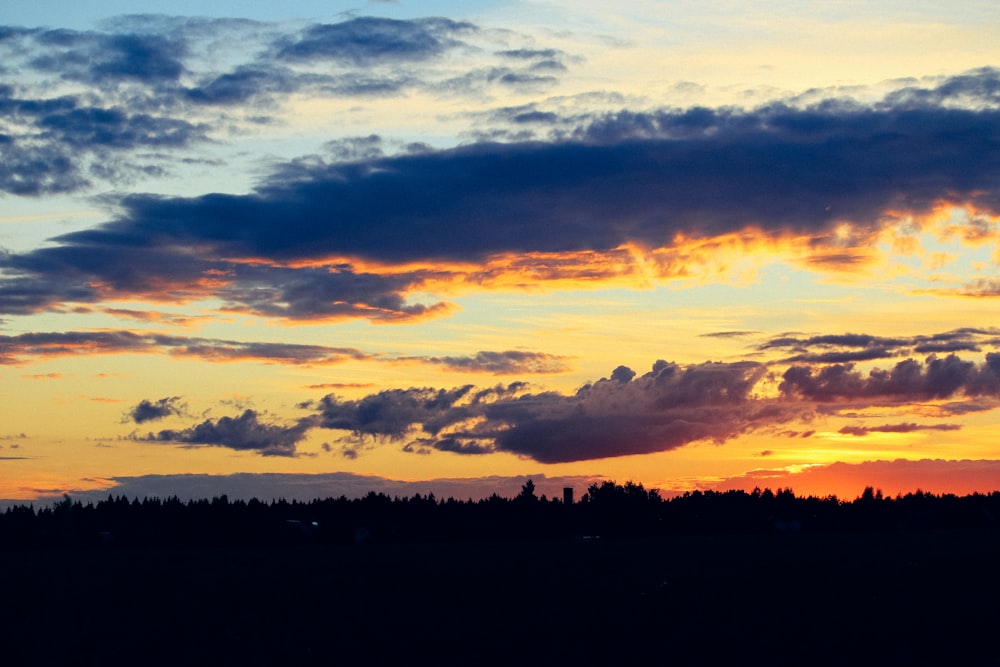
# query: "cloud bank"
320, 240
624, 414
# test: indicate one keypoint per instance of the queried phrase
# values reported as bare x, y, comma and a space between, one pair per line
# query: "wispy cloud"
508, 362
24, 348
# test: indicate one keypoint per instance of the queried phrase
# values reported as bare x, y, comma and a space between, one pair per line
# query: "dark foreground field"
918, 597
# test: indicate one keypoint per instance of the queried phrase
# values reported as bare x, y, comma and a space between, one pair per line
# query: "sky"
316, 249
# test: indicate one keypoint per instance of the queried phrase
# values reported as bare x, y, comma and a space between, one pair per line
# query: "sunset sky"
319, 248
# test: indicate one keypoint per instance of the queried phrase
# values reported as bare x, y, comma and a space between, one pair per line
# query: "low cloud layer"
623, 414
960, 477
307, 487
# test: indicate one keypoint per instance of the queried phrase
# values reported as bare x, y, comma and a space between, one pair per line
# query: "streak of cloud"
25, 348
508, 362
862, 431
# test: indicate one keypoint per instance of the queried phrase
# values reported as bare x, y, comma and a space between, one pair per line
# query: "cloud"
317, 239
669, 407
976, 86
392, 413
855, 347
861, 431
96, 58
935, 378
28, 347
60, 145
90, 128
728, 334
242, 433
508, 362
34, 347
147, 410
166, 72
664, 409
367, 41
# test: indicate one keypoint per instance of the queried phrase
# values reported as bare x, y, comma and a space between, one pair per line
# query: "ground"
905, 597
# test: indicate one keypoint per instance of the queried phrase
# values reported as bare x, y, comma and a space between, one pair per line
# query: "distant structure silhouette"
568, 495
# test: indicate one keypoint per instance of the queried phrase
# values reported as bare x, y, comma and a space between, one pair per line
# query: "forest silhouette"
621, 576
607, 510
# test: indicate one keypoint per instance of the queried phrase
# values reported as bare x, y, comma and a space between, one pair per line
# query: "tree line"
606, 511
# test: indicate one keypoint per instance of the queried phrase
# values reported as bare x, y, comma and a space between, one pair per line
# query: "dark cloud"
944, 346
977, 86
626, 178
324, 293
143, 57
935, 378
623, 414
244, 433
960, 340
522, 79
540, 65
61, 143
100, 58
147, 410
851, 347
164, 71
452, 444
664, 409
897, 428
91, 269
243, 84
778, 168
96, 129
36, 170
531, 54
24, 348
355, 149
392, 413
851, 356
540, 117
509, 362
370, 40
